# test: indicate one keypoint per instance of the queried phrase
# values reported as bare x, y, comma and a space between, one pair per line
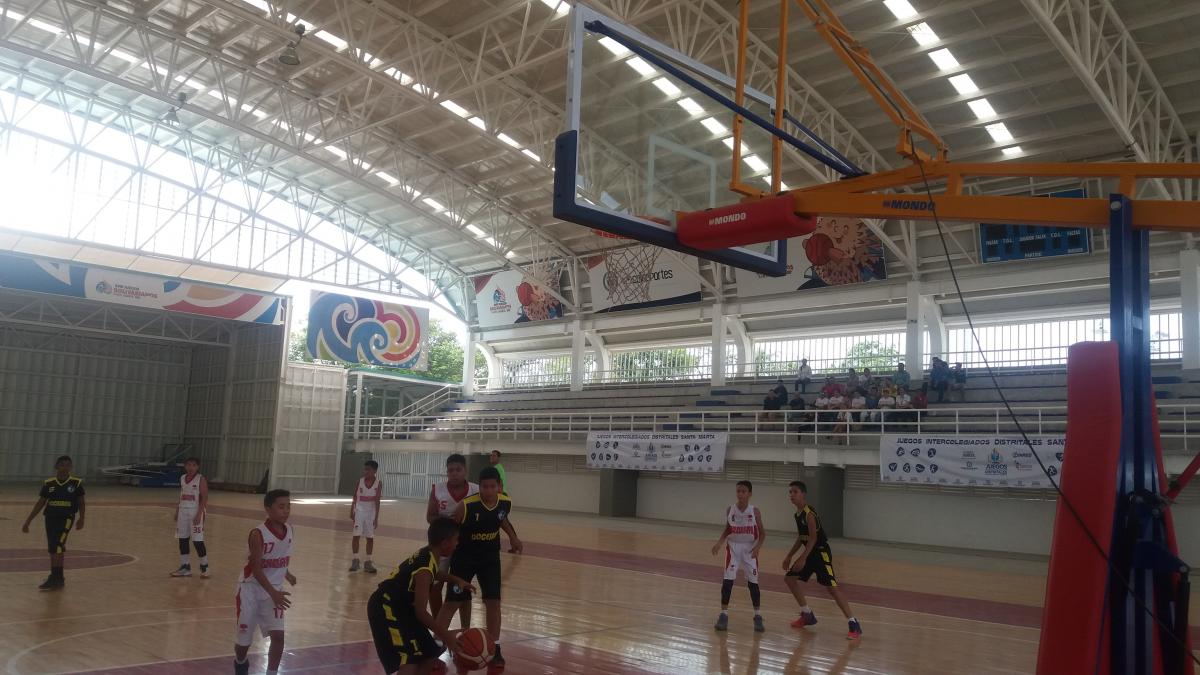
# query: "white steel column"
603, 355
914, 329
718, 345
1189, 296
743, 344
358, 401
468, 374
577, 354
226, 408
938, 338
495, 378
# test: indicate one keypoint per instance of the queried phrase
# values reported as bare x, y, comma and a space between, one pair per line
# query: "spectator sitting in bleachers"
872, 413
866, 380
939, 377
852, 380
887, 387
858, 408
800, 421
887, 404
803, 376
775, 399
831, 387
958, 381
901, 378
841, 424
837, 400
823, 416
904, 413
920, 402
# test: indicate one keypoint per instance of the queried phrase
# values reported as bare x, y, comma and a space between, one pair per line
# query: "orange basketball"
475, 648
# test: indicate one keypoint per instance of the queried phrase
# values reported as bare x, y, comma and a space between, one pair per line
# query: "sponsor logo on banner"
679, 451
984, 461
500, 302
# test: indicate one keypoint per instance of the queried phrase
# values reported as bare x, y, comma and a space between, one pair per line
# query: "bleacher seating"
739, 404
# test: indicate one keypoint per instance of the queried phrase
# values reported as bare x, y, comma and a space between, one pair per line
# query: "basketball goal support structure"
1117, 591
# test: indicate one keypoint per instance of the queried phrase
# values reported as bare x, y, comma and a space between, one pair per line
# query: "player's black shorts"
400, 638
470, 566
820, 563
57, 530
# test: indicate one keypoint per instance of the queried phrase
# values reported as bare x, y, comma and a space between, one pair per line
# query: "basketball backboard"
647, 136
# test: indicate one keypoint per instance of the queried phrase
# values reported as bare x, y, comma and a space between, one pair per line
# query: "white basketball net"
629, 274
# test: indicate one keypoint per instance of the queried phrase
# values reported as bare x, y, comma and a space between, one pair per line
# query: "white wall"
959, 521
577, 492
1187, 529
705, 501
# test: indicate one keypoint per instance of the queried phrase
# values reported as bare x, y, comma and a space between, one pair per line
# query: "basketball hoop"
630, 271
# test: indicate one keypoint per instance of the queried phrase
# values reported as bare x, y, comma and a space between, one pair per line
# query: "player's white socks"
724, 611
204, 561
756, 612
806, 610
185, 560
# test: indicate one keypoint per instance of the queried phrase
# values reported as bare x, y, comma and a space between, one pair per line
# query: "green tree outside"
872, 354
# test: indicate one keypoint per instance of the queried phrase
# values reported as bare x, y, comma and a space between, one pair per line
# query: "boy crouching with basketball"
261, 600
814, 558
398, 610
742, 538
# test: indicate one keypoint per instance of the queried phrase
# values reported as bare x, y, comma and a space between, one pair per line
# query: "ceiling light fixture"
289, 57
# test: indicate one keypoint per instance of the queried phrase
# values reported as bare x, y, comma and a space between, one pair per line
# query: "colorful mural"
370, 332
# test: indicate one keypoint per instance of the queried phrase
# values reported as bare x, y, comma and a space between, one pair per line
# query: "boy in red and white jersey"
364, 513
444, 499
189, 518
261, 600
742, 537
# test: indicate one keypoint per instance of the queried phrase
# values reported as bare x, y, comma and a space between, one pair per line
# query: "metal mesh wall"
308, 443
103, 400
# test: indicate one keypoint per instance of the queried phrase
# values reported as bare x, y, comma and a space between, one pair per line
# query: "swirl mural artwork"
370, 332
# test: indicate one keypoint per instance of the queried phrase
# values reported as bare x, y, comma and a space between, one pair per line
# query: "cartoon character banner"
840, 251
370, 332
506, 298
138, 290
983, 461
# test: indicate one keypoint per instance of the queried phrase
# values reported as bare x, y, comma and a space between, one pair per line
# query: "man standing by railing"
803, 376
902, 377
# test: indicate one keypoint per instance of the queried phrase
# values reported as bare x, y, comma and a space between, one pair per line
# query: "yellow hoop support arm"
890, 99
859, 197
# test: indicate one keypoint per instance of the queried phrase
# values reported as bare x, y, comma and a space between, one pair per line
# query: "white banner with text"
983, 461
694, 451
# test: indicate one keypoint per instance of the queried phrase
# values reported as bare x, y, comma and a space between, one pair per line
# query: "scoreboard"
998, 243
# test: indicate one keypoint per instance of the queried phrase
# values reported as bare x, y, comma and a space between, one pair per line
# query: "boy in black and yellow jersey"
480, 518
62, 497
398, 611
814, 558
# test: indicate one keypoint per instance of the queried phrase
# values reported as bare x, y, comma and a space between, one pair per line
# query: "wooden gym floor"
589, 595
